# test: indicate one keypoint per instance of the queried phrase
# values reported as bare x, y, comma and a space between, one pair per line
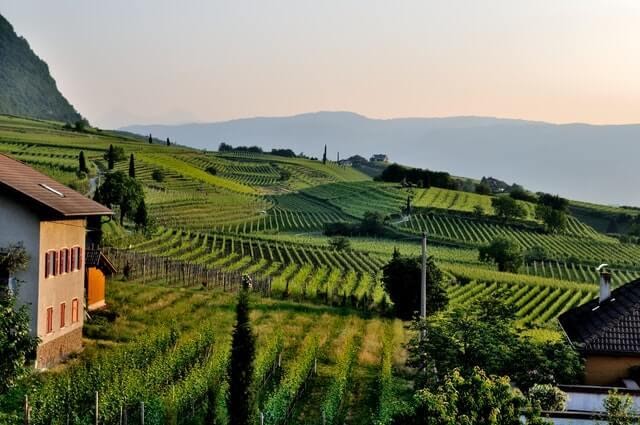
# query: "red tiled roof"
22, 181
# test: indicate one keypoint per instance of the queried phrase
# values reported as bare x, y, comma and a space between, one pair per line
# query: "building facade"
49, 220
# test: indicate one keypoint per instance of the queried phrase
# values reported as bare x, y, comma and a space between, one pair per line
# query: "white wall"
19, 224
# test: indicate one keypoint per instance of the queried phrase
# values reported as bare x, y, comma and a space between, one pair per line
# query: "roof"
23, 182
612, 327
95, 258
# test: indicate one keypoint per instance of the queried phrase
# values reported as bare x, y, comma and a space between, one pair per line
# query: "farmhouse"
50, 220
606, 331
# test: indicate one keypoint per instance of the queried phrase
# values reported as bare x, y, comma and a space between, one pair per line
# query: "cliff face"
26, 87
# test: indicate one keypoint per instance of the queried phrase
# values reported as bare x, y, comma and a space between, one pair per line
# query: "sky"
152, 61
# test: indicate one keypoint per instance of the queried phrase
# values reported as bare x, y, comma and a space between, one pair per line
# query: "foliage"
132, 167
158, 175
417, 176
339, 387
339, 243
553, 201
241, 363
536, 253
555, 221
506, 208
372, 223
82, 163
505, 252
483, 189
484, 335
401, 279
224, 147
113, 155
211, 170
287, 153
121, 190
473, 398
17, 344
619, 409
518, 192
548, 397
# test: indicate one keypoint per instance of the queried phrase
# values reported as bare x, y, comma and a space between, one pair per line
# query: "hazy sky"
121, 62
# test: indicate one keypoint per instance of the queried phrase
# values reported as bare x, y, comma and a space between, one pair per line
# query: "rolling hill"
580, 161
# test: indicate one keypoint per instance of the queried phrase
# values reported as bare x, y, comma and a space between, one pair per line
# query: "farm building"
50, 220
379, 157
97, 267
606, 331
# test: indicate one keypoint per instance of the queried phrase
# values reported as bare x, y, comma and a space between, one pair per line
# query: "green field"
258, 214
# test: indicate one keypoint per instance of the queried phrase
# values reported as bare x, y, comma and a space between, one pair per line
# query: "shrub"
548, 397
211, 170
157, 175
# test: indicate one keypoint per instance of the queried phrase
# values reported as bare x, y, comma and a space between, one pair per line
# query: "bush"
548, 397
505, 252
339, 243
211, 170
158, 175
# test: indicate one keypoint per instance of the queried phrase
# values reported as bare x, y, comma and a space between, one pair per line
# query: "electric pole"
423, 278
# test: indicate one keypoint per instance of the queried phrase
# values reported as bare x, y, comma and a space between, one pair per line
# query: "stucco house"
606, 332
50, 220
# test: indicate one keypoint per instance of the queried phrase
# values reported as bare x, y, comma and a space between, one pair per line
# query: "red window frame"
72, 260
49, 320
79, 257
74, 310
51, 263
63, 313
62, 260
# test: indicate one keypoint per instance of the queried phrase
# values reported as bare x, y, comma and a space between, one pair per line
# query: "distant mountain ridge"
26, 86
581, 161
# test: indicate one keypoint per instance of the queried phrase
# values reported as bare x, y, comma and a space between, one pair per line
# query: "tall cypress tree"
241, 364
111, 157
82, 163
132, 167
324, 155
150, 139
168, 142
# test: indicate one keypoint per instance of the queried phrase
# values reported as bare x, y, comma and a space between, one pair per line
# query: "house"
50, 220
97, 268
379, 157
606, 332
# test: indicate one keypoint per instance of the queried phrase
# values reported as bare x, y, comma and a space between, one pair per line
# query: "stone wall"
56, 350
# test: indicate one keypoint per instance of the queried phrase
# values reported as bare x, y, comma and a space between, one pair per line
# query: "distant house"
98, 267
50, 220
379, 157
606, 332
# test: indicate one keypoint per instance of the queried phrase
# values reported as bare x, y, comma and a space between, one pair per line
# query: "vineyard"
326, 351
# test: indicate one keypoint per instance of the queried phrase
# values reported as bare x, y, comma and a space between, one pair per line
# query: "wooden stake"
97, 411
142, 412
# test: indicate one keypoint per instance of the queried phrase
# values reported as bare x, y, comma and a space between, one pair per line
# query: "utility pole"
423, 278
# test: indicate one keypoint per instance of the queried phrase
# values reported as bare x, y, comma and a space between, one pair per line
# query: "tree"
324, 155
110, 157
211, 170
372, 223
553, 201
536, 253
555, 221
478, 211
121, 190
113, 155
505, 252
81, 125
150, 139
157, 175
475, 398
619, 409
483, 189
132, 167
168, 142
339, 243
16, 343
518, 192
240, 368
141, 217
82, 163
507, 208
407, 208
401, 278
548, 397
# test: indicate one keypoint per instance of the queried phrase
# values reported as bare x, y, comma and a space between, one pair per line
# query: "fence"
147, 268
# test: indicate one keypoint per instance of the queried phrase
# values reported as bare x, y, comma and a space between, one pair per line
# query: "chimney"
605, 283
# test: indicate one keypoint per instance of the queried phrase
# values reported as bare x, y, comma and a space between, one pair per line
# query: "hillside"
315, 308
26, 86
509, 149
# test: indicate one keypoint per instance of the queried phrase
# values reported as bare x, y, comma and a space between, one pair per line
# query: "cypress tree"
132, 167
142, 217
241, 363
168, 142
324, 156
150, 139
82, 163
110, 157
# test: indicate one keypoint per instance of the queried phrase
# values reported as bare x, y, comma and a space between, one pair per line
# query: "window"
78, 257
49, 320
63, 312
50, 263
63, 261
68, 255
72, 259
74, 310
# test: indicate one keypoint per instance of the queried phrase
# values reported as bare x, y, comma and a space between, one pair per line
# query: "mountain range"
26, 86
580, 161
